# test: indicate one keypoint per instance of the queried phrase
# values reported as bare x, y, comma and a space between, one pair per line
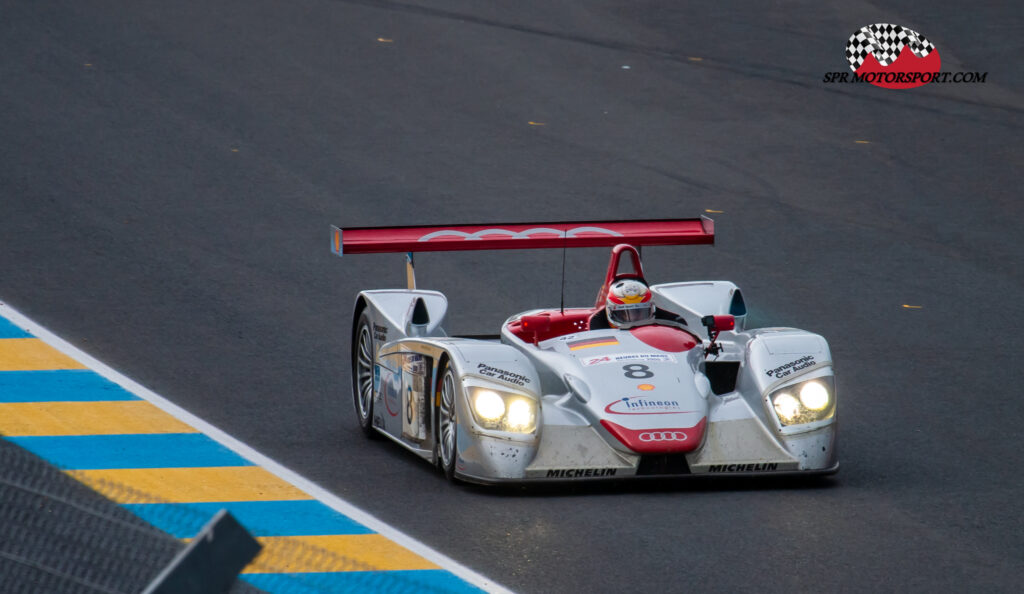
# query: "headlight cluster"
806, 402
503, 411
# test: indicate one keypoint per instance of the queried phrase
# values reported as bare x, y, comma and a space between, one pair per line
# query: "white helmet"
629, 302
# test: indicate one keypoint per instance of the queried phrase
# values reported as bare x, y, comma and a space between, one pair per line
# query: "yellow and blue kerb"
177, 478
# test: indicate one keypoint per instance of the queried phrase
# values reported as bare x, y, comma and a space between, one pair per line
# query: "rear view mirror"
716, 324
536, 325
722, 323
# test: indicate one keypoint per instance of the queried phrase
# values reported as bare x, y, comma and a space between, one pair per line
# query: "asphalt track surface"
168, 172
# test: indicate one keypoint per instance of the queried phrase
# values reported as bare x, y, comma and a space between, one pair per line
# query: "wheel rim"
447, 420
364, 372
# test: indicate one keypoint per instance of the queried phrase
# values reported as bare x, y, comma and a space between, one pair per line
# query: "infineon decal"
655, 357
643, 405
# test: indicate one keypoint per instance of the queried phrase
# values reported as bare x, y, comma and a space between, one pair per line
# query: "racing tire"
447, 423
362, 374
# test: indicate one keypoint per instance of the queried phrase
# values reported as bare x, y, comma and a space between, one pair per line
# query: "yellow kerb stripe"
32, 354
18, 419
189, 485
339, 552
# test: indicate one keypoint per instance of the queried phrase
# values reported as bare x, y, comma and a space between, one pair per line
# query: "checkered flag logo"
885, 42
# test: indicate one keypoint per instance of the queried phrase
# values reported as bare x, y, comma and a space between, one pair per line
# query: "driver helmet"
629, 302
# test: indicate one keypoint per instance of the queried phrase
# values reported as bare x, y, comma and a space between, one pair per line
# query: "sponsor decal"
895, 57
653, 357
637, 371
580, 472
761, 467
502, 374
380, 333
593, 342
649, 436
791, 367
391, 385
642, 405
414, 381
525, 234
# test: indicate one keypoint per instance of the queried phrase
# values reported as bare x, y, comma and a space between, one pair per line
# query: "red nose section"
672, 440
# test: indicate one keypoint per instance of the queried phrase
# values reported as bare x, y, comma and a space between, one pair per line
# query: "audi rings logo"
649, 436
525, 234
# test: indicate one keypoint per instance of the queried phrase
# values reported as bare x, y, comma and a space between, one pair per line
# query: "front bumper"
575, 453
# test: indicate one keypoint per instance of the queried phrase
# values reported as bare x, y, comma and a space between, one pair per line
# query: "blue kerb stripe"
160, 450
260, 518
72, 385
416, 580
9, 330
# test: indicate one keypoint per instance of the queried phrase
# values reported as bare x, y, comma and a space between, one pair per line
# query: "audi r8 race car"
651, 380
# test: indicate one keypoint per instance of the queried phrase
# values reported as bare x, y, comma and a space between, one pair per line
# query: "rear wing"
517, 236
375, 240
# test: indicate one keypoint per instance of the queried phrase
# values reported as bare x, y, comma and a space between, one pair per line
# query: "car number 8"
637, 371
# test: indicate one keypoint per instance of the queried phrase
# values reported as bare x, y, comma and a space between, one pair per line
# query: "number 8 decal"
637, 371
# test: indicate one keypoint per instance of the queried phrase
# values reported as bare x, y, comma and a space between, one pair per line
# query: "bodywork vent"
664, 464
722, 375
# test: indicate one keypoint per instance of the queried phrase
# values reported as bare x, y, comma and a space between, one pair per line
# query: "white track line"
249, 453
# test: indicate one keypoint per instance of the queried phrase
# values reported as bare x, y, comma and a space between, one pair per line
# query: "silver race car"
651, 381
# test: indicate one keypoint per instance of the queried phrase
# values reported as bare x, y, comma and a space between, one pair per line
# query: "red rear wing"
373, 240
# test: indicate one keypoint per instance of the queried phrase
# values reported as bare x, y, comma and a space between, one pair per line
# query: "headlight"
814, 396
807, 402
520, 415
488, 405
503, 411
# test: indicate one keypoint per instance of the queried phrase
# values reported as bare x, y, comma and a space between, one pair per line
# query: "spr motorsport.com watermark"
895, 57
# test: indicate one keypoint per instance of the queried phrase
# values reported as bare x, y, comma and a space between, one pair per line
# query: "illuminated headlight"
814, 396
520, 415
488, 405
503, 411
807, 402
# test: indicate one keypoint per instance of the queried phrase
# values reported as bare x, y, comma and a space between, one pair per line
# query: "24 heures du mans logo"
895, 57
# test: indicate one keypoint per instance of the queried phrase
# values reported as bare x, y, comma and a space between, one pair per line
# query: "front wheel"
362, 374
447, 424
